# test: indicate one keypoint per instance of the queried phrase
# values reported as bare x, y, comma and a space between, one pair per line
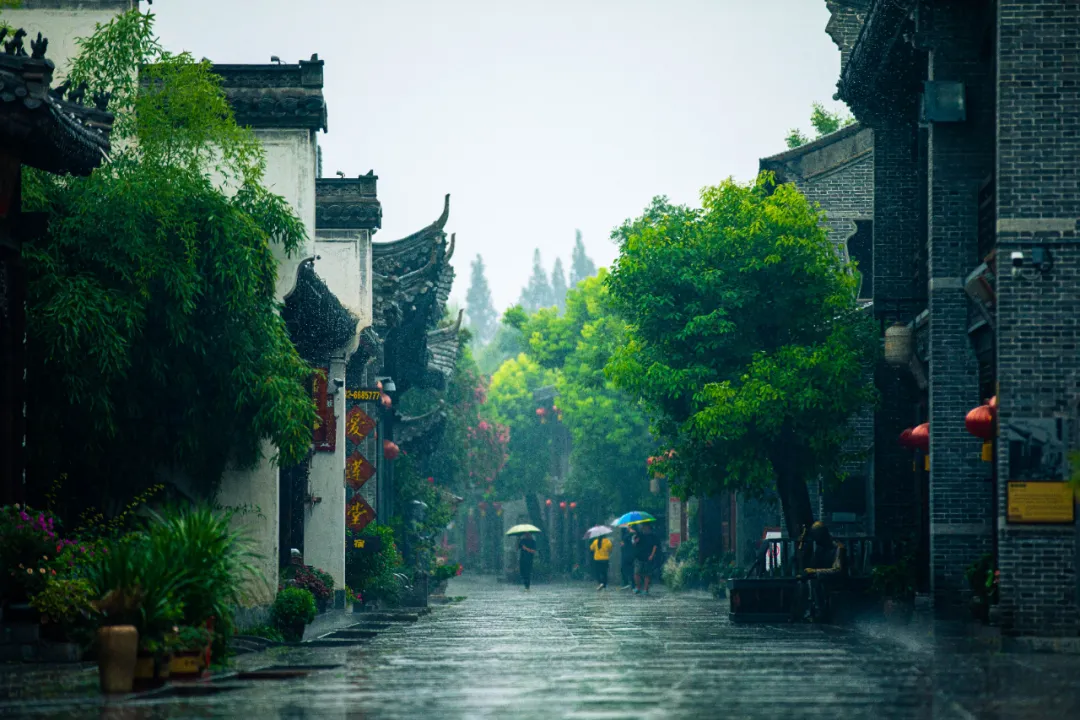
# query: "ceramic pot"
118, 648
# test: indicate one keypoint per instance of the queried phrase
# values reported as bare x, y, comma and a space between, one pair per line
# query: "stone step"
325, 642
388, 617
350, 634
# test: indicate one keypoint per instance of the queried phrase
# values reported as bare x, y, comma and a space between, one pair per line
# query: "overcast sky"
537, 117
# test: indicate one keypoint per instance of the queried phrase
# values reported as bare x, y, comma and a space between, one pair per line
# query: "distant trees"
581, 266
479, 309
537, 294
558, 285
824, 122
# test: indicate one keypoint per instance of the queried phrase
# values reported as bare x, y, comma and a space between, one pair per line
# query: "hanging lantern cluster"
390, 450
918, 438
982, 423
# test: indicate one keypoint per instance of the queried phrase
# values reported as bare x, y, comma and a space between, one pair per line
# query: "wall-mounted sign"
1041, 503
324, 436
358, 514
367, 544
363, 395
358, 424
357, 471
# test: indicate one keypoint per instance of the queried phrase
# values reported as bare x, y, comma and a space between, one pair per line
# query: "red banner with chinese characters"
358, 514
324, 436
357, 471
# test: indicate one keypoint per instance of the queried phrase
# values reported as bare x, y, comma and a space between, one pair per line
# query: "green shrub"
445, 572
372, 573
292, 607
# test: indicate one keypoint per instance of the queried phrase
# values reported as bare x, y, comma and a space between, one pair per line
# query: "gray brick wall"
898, 224
1037, 322
960, 158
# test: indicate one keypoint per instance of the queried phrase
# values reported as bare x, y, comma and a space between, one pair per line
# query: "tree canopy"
743, 339
154, 336
608, 427
478, 306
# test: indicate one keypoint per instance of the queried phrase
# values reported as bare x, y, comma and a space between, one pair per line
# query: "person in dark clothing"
526, 551
626, 559
825, 572
646, 547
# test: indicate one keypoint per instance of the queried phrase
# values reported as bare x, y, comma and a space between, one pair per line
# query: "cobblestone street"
569, 651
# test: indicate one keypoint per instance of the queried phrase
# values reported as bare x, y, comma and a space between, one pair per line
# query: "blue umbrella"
635, 517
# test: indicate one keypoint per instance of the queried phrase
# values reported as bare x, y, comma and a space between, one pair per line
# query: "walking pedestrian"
645, 548
526, 551
601, 549
626, 559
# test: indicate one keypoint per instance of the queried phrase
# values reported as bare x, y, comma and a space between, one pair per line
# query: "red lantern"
993, 405
906, 439
548, 502
650, 461
390, 450
541, 412
386, 401
980, 422
573, 505
378, 386
431, 480
482, 505
562, 505
920, 437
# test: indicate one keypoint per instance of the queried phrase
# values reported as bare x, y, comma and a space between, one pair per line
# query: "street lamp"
387, 384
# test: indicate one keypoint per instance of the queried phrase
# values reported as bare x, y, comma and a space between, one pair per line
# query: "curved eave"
412, 429
880, 61
415, 242
316, 320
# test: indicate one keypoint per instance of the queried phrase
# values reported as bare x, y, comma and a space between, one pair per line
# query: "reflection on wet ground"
567, 651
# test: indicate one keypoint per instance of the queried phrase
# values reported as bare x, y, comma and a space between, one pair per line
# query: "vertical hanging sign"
359, 429
325, 435
674, 518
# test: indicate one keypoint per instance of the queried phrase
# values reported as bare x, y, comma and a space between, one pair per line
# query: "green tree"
558, 284
154, 339
744, 340
824, 122
481, 313
581, 266
537, 294
528, 468
609, 428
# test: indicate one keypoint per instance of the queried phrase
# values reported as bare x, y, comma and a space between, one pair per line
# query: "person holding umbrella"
526, 551
645, 548
601, 548
626, 559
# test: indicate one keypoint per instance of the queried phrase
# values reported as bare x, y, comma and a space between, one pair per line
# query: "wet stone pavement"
567, 651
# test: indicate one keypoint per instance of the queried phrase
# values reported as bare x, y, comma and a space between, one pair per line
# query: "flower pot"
118, 647
295, 631
186, 664
322, 605
151, 671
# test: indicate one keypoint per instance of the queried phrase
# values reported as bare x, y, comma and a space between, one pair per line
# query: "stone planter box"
762, 600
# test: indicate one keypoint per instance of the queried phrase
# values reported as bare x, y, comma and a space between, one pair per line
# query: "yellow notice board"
1041, 502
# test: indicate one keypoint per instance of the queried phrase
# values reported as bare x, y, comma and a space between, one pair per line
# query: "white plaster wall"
290, 172
61, 27
254, 493
291, 160
324, 524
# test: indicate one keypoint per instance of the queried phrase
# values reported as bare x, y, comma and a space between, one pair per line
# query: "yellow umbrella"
522, 529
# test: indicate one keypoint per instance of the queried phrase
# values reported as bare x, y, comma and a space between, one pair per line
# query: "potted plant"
320, 583
896, 585
189, 646
982, 579
28, 548
66, 611
135, 586
152, 663
212, 561
293, 609
441, 576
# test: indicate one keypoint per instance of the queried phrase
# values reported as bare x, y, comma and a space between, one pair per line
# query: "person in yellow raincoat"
601, 549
